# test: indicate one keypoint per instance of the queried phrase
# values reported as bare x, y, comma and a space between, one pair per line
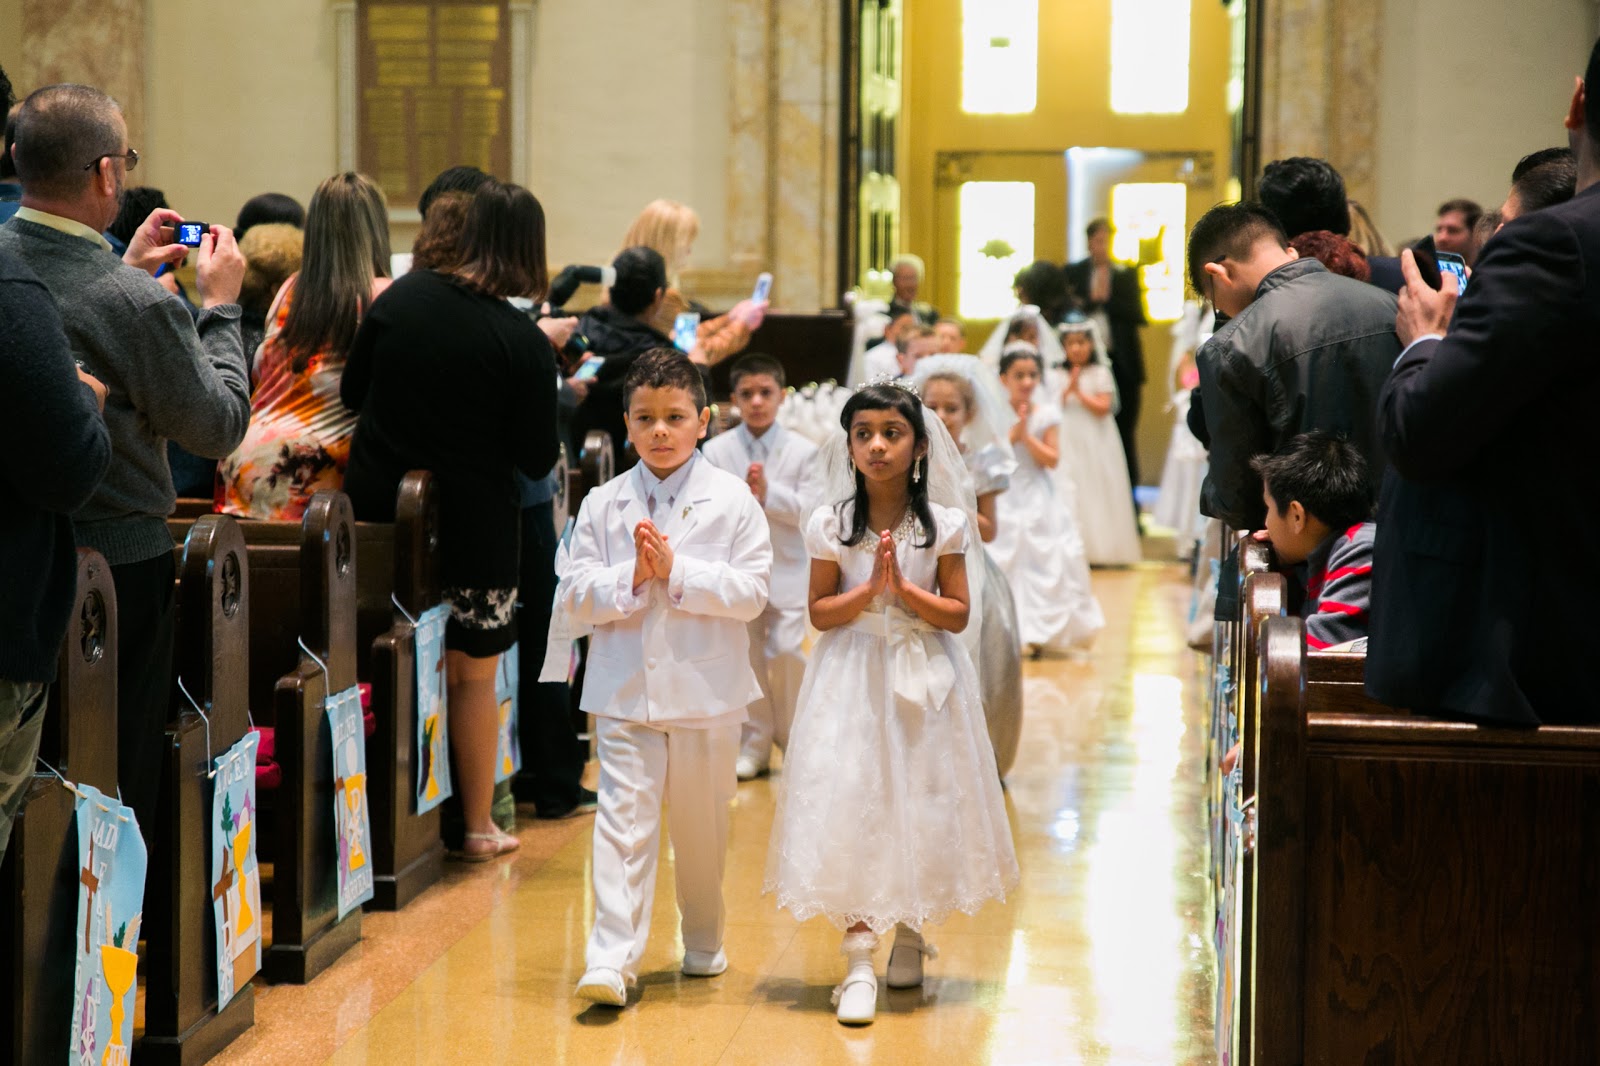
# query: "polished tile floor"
1101, 956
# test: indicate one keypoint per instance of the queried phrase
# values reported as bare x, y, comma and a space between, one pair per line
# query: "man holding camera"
167, 377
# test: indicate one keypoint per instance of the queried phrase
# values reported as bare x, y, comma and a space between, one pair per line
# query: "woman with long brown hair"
299, 437
449, 377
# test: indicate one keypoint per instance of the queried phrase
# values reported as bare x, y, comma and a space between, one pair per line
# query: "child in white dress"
1091, 449
1037, 543
891, 814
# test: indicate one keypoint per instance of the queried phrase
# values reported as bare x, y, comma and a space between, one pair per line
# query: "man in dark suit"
1479, 608
1111, 295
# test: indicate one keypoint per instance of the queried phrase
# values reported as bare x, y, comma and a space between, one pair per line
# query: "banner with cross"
112, 860
235, 878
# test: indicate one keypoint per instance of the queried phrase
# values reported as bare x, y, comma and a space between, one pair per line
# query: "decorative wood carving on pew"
39, 878
1425, 888
558, 502
211, 658
597, 460
408, 855
306, 933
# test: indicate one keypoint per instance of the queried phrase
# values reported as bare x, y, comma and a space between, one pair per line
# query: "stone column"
92, 42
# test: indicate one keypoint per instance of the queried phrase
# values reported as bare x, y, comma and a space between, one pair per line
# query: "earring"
916, 470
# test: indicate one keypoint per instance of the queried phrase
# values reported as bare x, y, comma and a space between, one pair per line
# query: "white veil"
1049, 344
990, 425
1100, 358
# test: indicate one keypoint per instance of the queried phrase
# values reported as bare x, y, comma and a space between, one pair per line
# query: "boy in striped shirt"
1319, 503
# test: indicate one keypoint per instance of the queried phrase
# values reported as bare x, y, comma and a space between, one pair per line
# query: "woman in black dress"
449, 377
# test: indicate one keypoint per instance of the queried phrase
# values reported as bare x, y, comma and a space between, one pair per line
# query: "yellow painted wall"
1074, 109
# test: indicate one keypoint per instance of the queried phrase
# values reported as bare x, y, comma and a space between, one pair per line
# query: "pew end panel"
408, 854
182, 1023
307, 935
39, 876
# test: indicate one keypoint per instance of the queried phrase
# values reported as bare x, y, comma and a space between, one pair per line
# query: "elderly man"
167, 377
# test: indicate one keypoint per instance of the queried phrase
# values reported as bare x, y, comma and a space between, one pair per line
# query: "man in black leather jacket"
1304, 349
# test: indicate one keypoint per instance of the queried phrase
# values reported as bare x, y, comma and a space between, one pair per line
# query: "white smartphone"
684, 330
763, 288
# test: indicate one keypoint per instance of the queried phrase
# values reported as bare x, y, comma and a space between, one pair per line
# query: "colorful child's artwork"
433, 719
351, 818
235, 878
508, 753
110, 907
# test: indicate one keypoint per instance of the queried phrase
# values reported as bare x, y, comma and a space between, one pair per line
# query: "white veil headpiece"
1049, 344
1099, 358
943, 468
992, 421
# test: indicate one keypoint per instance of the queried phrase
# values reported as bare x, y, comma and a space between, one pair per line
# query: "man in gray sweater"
167, 376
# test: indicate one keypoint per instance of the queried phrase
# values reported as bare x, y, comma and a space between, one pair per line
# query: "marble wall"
92, 42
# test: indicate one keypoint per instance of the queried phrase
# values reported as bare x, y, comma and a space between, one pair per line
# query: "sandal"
501, 841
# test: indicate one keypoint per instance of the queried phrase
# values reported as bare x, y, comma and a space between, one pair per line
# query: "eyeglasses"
130, 157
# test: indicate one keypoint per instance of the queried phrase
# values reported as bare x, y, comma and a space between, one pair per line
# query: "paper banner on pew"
111, 872
235, 877
433, 721
351, 818
508, 751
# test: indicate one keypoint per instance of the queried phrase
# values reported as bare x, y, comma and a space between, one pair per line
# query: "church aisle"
1101, 956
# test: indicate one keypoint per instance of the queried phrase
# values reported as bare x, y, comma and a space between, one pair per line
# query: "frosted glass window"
995, 240
1149, 222
1149, 57
999, 56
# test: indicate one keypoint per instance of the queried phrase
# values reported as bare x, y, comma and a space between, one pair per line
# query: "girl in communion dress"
891, 814
1091, 450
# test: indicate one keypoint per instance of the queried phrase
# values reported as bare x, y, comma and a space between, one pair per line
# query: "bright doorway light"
1148, 223
995, 240
999, 56
1149, 57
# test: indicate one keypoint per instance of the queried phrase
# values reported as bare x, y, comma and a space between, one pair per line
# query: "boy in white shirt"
778, 466
669, 565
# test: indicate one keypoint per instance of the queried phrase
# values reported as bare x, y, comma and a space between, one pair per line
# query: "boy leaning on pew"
780, 468
669, 565
1319, 509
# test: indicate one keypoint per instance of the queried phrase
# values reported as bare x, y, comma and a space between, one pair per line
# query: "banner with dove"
235, 878
351, 817
111, 874
433, 719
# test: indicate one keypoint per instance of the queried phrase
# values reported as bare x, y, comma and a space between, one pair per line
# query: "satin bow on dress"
920, 673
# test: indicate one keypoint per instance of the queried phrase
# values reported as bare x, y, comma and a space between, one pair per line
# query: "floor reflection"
1102, 955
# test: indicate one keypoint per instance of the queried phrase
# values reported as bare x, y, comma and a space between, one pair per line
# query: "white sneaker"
704, 963
604, 987
905, 958
748, 768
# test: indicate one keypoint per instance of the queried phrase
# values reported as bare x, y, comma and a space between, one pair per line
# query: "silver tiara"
900, 383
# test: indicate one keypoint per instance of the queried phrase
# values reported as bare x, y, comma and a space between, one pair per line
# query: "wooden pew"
39, 878
307, 934
189, 508
597, 464
1425, 890
408, 855
182, 1025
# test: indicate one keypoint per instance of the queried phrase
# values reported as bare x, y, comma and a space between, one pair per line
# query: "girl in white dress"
968, 400
890, 814
1178, 503
1091, 449
1037, 542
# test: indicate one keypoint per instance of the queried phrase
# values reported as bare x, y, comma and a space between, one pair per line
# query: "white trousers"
777, 654
640, 766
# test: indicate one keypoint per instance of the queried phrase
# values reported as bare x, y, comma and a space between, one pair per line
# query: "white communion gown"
1039, 548
1091, 454
991, 636
891, 808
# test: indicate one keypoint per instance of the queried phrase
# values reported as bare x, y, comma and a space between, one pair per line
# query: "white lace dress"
1039, 548
891, 808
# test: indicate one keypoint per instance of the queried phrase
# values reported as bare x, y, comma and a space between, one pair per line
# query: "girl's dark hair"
1011, 358
502, 243
904, 403
346, 247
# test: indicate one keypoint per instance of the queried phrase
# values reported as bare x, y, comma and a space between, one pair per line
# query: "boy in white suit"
779, 467
669, 565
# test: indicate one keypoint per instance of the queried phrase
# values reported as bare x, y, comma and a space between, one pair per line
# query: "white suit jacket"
679, 650
792, 473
